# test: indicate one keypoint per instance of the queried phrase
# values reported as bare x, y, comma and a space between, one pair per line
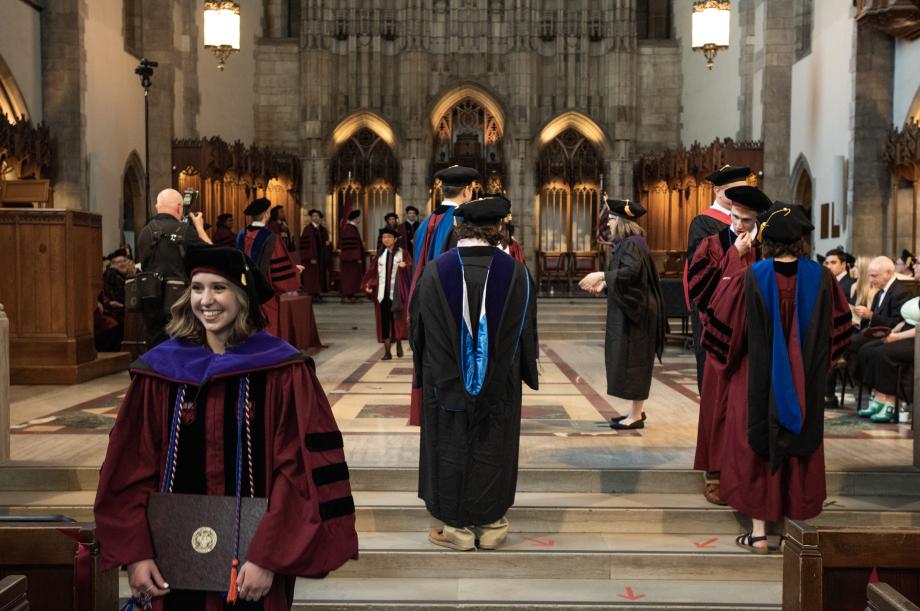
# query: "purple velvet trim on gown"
182, 361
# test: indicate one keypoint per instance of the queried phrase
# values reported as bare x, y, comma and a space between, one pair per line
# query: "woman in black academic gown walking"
636, 323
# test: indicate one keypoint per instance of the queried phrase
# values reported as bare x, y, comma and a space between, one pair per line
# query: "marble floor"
563, 423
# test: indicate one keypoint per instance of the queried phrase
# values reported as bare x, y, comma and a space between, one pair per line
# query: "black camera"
145, 71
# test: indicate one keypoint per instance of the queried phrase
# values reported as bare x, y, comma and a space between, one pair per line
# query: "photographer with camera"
161, 248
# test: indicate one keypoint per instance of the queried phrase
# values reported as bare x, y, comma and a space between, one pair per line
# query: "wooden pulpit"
51, 274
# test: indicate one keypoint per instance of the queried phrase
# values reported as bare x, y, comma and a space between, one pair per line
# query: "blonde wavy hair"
185, 325
864, 291
624, 228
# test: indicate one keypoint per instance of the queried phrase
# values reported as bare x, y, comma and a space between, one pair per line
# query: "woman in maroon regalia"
774, 332
180, 430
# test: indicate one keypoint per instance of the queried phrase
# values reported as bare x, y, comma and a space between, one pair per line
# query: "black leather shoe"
622, 418
638, 424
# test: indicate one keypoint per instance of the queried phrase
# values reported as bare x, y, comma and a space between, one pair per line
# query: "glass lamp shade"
710, 24
222, 29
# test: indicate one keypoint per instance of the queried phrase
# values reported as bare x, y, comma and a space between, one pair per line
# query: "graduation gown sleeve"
710, 265
283, 274
530, 342
130, 472
623, 281
309, 528
725, 329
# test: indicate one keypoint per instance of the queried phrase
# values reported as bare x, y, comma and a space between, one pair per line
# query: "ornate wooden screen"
469, 135
568, 175
902, 154
365, 171
229, 176
672, 187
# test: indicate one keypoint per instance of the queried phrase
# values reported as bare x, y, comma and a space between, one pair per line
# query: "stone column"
779, 54
4, 386
158, 46
63, 84
746, 15
869, 178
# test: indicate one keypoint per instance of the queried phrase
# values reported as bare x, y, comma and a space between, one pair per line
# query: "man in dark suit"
840, 262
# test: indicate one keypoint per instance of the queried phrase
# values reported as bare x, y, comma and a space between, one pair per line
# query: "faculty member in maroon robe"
271, 256
351, 259
387, 282
313, 241
223, 233
774, 331
717, 257
217, 356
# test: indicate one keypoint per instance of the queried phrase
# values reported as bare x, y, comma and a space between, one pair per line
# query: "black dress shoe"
638, 424
622, 418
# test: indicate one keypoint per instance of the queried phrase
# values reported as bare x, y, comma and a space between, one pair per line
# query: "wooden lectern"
51, 275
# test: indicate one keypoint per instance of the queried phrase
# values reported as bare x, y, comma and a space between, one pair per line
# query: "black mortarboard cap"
626, 209
785, 223
457, 176
389, 231
749, 197
728, 174
486, 210
257, 207
121, 252
315, 211
390, 215
412, 208
239, 269
354, 214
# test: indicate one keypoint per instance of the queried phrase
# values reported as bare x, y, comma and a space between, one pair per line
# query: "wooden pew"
13, 593
882, 597
55, 558
827, 568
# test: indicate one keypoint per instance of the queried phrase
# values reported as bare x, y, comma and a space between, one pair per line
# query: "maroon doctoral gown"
313, 248
224, 237
269, 253
351, 258
399, 305
769, 471
299, 464
715, 259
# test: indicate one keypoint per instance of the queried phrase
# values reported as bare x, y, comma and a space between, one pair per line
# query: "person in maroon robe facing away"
216, 352
387, 283
774, 332
313, 241
351, 259
720, 255
272, 258
223, 233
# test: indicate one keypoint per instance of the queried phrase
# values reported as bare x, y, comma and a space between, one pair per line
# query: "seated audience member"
840, 263
904, 265
880, 363
862, 292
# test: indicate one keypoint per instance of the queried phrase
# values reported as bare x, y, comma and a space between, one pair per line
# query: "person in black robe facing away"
473, 333
636, 322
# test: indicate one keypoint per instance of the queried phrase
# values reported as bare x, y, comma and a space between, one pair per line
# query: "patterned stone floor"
563, 423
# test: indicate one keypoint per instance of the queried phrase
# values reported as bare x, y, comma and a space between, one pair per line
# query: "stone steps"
548, 512
904, 483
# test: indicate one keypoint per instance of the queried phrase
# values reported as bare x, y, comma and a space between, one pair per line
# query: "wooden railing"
882, 597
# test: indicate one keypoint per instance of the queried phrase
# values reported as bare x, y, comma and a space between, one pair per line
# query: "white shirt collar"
718, 207
448, 202
888, 286
353, 223
314, 224
840, 276
463, 242
258, 224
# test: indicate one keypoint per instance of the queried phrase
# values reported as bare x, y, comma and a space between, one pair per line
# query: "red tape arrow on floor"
631, 594
539, 542
706, 543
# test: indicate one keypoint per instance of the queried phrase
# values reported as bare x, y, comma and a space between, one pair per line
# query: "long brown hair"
799, 248
185, 325
624, 228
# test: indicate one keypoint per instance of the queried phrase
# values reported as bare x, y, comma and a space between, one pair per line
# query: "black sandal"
747, 541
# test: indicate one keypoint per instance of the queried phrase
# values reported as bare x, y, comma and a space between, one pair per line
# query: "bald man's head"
169, 201
881, 271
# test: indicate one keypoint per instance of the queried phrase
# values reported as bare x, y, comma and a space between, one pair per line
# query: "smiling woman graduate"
225, 410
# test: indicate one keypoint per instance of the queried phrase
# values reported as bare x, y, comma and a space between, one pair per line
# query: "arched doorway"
803, 195
133, 207
569, 168
12, 104
469, 131
364, 173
